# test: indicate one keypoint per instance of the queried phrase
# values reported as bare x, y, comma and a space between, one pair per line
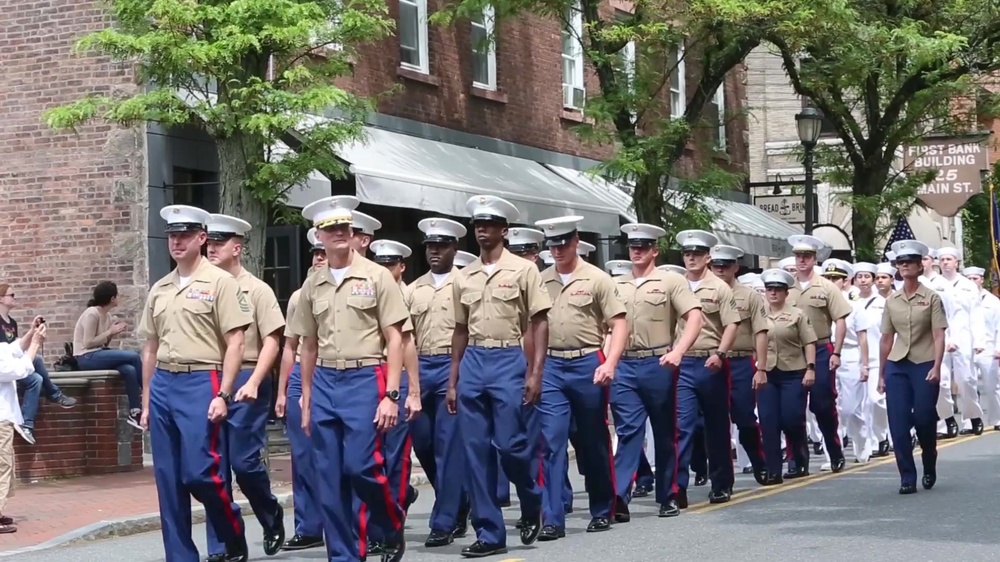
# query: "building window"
413, 35
827, 129
574, 92
282, 261
678, 97
484, 56
716, 117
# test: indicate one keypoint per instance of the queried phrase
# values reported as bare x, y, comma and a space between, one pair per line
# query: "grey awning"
737, 224
399, 170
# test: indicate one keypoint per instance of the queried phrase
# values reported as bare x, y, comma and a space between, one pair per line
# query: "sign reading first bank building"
958, 162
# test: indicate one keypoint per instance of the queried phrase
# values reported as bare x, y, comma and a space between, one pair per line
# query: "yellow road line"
758, 493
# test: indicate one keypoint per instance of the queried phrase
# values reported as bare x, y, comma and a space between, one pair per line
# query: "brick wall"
73, 205
91, 438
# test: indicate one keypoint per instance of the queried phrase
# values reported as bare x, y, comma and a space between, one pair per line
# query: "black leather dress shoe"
700, 479
670, 509
220, 557
797, 472
302, 542
760, 475
550, 533
530, 529
438, 538
622, 514
747, 470
682, 498
883, 449
907, 489
519, 524
479, 549
837, 465
642, 491
773, 480
411, 496
720, 496
929, 479
274, 537
952, 428
818, 448
374, 547
394, 549
598, 524
977, 426
237, 550
462, 527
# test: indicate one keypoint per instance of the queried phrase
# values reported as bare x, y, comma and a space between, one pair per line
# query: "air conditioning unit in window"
573, 97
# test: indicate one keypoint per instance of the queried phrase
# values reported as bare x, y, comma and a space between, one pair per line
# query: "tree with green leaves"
886, 73
254, 75
636, 57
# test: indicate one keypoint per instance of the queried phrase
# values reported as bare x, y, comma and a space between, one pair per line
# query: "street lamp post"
809, 123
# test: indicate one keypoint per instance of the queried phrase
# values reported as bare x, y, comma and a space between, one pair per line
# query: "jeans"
32, 386
127, 363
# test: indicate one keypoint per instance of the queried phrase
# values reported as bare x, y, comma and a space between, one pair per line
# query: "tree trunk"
239, 158
868, 185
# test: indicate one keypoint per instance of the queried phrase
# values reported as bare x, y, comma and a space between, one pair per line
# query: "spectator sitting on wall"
15, 365
91, 338
34, 384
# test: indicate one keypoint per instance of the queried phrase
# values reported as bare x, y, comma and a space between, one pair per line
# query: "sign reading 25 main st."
959, 164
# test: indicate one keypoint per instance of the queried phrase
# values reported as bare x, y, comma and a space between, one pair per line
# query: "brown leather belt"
494, 344
571, 353
642, 353
187, 367
344, 364
700, 353
822, 341
434, 351
741, 353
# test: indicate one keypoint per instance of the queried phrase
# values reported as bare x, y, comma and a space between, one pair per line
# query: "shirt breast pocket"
653, 307
710, 306
196, 306
160, 316
473, 301
361, 313
505, 302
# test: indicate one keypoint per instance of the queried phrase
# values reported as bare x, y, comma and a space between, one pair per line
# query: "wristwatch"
721, 354
225, 396
810, 366
392, 395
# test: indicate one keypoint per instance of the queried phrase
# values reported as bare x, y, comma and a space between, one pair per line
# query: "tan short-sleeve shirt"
790, 331
753, 317
293, 302
432, 309
348, 319
822, 301
718, 310
913, 320
654, 307
191, 322
267, 317
580, 308
498, 305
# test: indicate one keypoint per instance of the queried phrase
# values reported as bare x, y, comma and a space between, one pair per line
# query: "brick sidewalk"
48, 510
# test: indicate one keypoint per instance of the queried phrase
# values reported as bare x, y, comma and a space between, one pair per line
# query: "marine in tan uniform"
193, 323
826, 306
308, 522
499, 299
525, 243
349, 315
702, 383
791, 370
577, 376
645, 384
248, 414
911, 353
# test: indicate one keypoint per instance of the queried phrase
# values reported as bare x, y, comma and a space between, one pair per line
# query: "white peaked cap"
441, 230
691, 239
365, 224
330, 211
777, 278
491, 208
618, 267
463, 259
583, 249
804, 243
184, 218
224, 226
546, 257
670, 268
389, 251
786, 262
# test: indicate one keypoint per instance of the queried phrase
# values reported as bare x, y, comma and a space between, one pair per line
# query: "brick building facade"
84, 207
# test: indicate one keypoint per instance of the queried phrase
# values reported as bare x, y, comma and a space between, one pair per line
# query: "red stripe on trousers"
404, 478
215, 470
833, 392
601, 358
363, 530
677, 435
729, 401
380, 477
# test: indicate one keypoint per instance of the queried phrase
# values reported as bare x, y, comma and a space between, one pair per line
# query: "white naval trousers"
989, 370
879, 413
960, 371
854, 404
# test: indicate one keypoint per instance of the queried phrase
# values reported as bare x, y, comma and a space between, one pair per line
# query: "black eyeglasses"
10, 295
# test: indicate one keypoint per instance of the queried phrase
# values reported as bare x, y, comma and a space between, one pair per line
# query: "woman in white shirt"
91, 338
15, 364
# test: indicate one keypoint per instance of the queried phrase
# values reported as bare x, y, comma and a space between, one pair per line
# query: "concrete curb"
127, 526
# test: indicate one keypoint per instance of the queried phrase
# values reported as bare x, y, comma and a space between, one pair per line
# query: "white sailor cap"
583, 249
725, 255
670, 268
805, 244
910, 250
695, 240
978, 271
785, 263
777, 278
389, 251
441, 230
463, 258
546, 257
885, 268
837, 268
890, 255
224, 227
949, 251
364, 224
184, 218
748, 279
642, 234
559, 230
317, 246
932, 252
618, 267
521, 239
865, 267
331, 211
492, 209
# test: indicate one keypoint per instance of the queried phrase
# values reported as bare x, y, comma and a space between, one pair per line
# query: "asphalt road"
856, 515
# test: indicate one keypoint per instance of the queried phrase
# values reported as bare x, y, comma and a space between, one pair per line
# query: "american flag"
901, 232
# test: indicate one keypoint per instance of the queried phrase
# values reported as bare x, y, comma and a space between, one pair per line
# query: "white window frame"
424, 64
720, 102
677, 109
489, 29
576, 57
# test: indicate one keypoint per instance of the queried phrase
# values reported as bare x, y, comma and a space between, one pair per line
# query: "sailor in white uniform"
986, 360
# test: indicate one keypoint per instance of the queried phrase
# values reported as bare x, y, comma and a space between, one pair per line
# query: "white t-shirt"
438, 278
488, 268
338, 274
565, 277
184, 280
